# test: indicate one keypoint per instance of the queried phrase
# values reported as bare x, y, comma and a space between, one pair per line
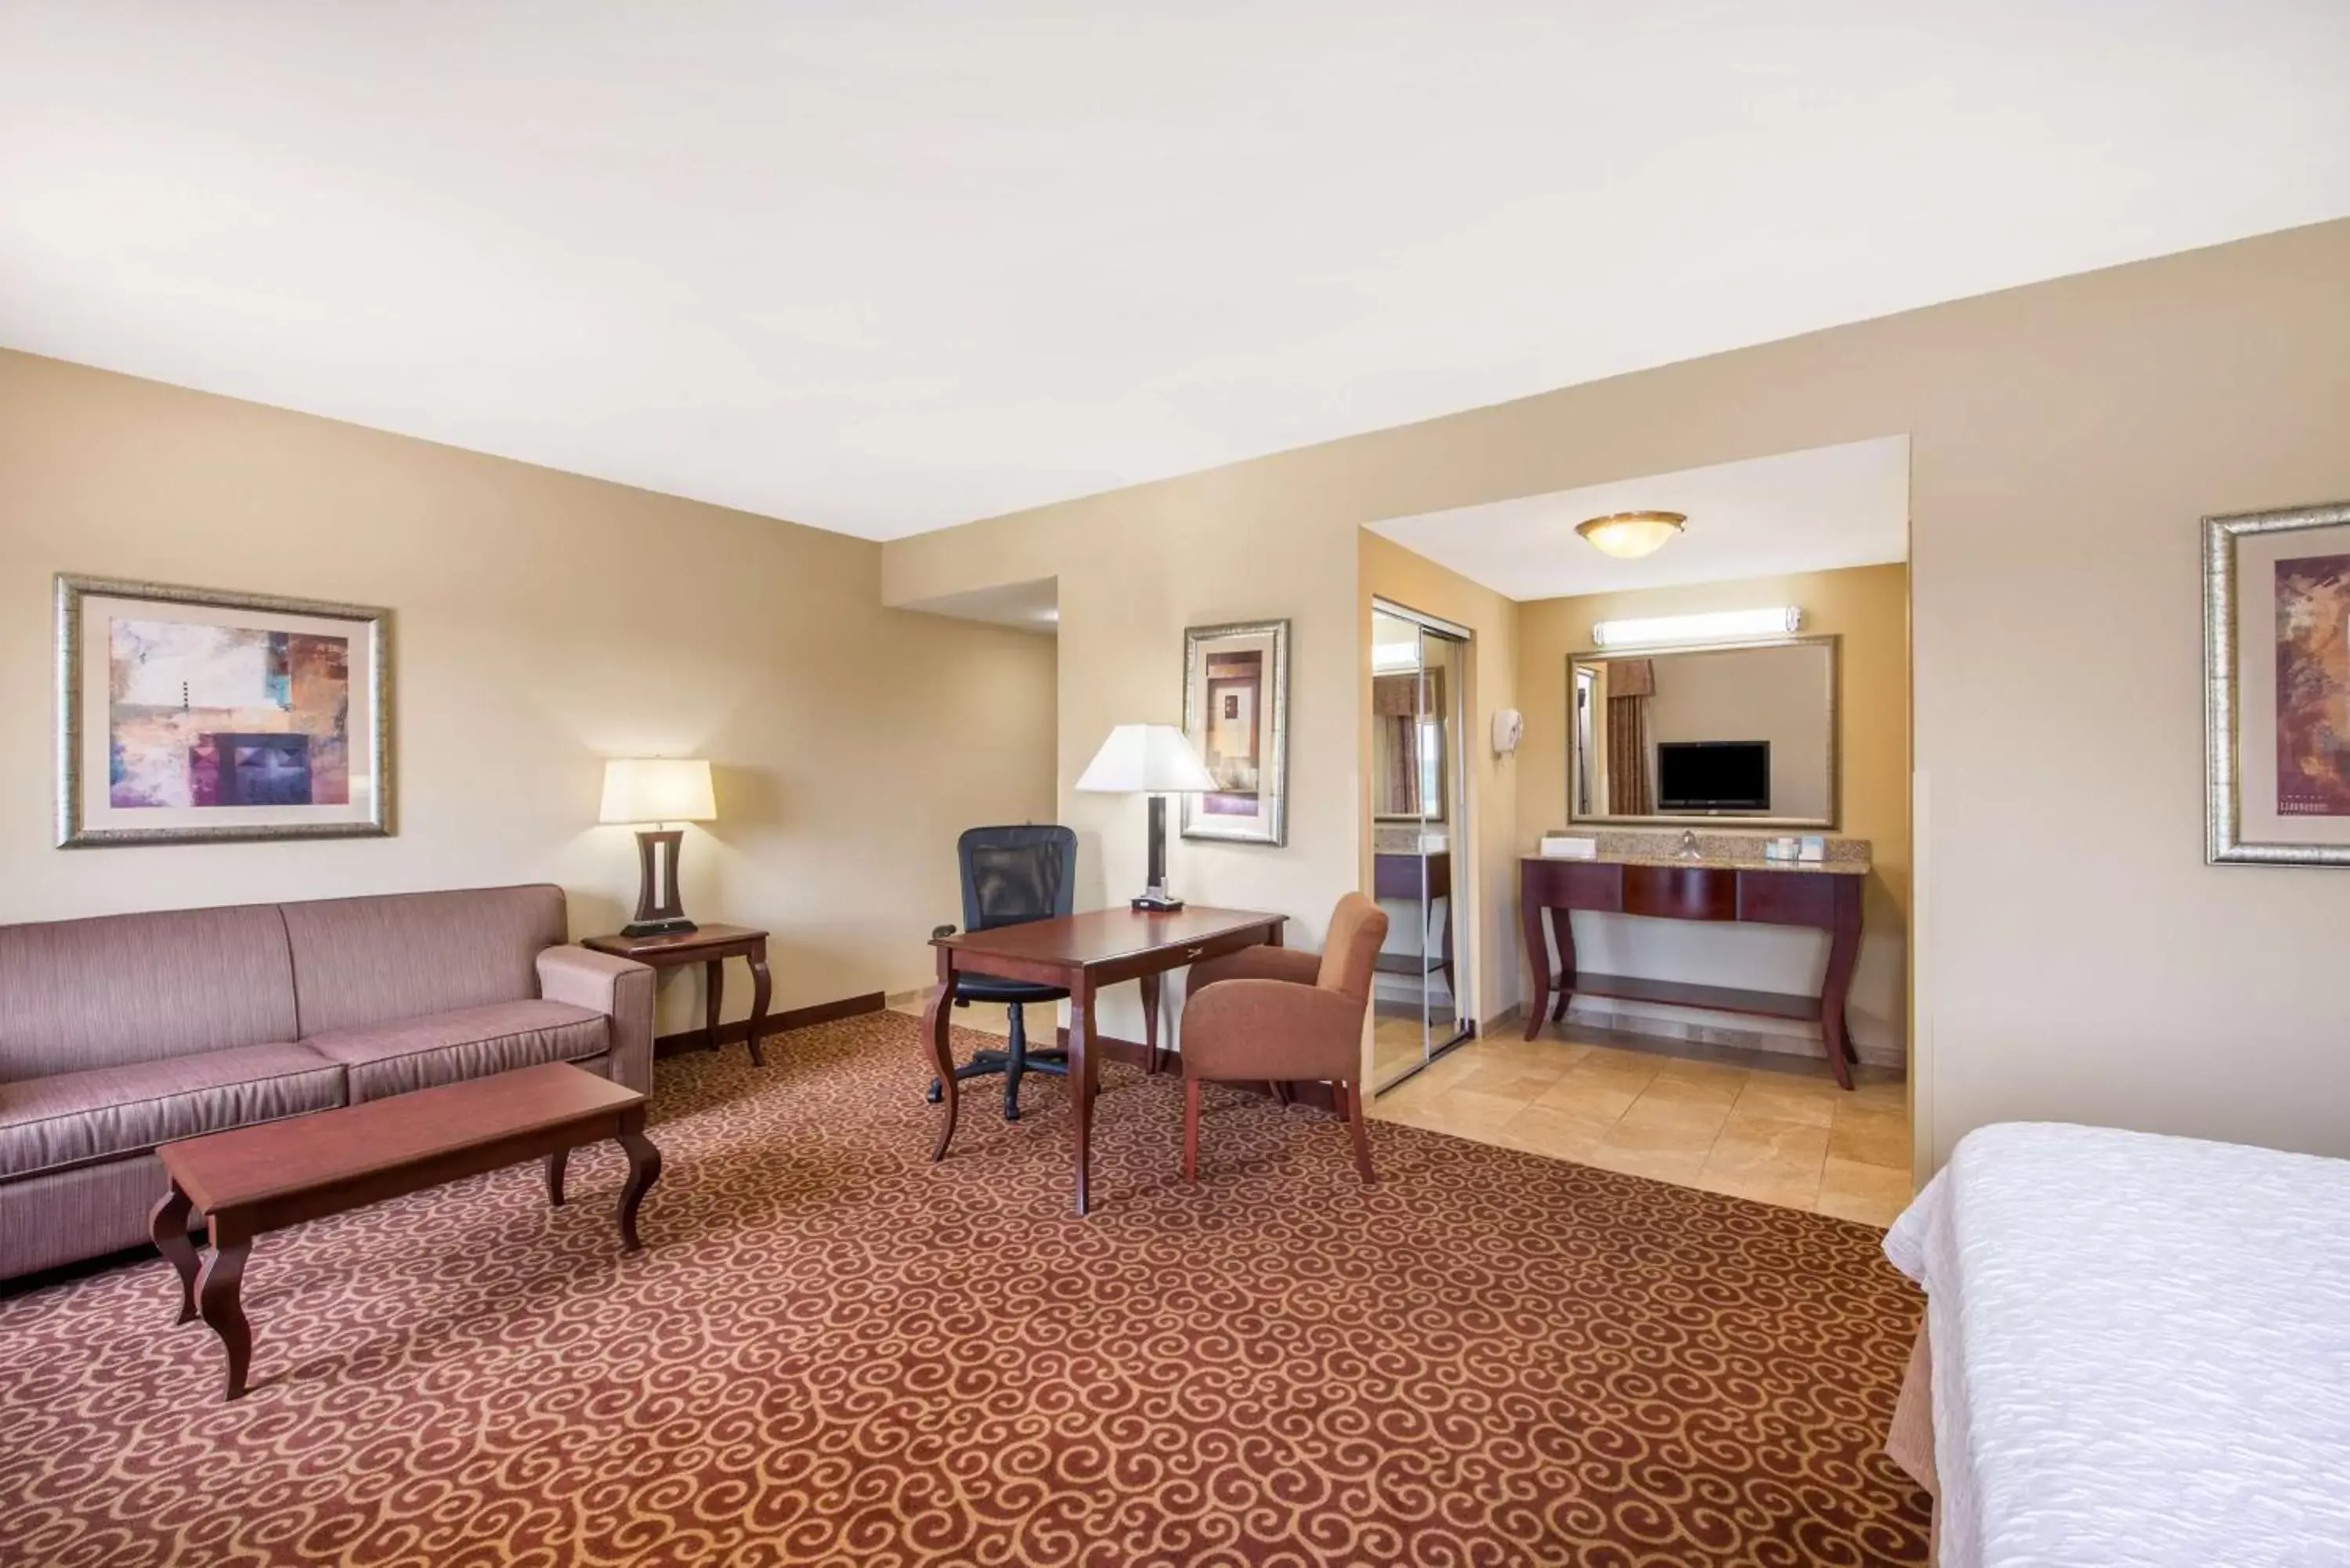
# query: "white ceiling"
883, 267
1800, 512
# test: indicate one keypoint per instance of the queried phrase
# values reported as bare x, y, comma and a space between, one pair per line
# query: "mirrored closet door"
1420, 809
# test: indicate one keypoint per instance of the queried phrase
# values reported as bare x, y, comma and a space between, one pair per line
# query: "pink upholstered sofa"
121, 1033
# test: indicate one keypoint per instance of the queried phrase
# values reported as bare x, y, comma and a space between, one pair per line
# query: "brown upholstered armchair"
1285, 1017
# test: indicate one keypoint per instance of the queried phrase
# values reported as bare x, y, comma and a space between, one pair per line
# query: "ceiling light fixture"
1628, 535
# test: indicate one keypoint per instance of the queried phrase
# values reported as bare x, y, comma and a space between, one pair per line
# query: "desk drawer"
1681, 892
1788, 898
1572, 885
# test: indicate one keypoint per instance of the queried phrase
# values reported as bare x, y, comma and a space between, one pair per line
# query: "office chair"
1011, 876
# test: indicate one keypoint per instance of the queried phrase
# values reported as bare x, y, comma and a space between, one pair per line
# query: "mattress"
2141, 1350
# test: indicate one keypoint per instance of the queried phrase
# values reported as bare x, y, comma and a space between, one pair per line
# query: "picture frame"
190, 715
1236, 715
2276, 686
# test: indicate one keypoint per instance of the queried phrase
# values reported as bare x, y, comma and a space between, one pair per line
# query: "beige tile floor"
1747, 1123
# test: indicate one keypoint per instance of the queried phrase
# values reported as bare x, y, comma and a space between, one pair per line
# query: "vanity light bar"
1714, 626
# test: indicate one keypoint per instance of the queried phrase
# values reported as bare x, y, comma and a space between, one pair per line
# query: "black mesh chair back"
1011, 876
1014, 875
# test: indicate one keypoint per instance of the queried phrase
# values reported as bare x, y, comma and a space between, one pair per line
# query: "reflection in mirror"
1744, 732
1407, 746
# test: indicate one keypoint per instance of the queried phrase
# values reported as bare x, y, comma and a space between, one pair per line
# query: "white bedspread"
2141, 1350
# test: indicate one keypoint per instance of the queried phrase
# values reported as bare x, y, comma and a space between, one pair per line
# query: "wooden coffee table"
266, 1177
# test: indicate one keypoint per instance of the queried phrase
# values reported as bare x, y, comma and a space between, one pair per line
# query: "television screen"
1713, 775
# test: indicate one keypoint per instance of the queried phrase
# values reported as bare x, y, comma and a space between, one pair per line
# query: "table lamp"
1155, 759
658, 790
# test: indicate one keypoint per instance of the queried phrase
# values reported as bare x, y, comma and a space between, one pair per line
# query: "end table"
711, 947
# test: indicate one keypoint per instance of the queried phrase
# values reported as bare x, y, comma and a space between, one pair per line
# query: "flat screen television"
1713, 775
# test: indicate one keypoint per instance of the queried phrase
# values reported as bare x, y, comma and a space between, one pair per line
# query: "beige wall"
1867, 610
541, 621
2075, 957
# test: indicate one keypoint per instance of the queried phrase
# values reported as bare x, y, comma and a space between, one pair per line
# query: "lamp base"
676, 928
1157, 904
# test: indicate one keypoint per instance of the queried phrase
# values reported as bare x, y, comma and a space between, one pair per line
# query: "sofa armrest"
1241, 1029
620, 988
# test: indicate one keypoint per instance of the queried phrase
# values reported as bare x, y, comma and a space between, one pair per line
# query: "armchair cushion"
1256, 963
1239, 1029
622, 990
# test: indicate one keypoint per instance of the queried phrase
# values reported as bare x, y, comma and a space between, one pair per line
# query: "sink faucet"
1689, 849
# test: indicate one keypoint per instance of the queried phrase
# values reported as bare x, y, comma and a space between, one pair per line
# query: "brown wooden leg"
1280, 1092
555, 1165
217, 1297
1084, 1080
713, 991
168, 1224
1562, 921
1452, 986
1191, 1129
1350, 1106
762, 988
1538, 960
934, 1031
1150, 1020
644, 1169
1844, 952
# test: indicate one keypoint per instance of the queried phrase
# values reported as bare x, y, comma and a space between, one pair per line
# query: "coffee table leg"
556, 1163
644, 1169
217, 1298
168, 1224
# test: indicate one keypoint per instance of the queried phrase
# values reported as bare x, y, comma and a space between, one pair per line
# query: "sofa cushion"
468, 1043
104, 992
358, 962
73, 1118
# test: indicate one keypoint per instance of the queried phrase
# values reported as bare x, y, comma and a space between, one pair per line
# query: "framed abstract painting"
188, 716
2276, 686
1236, 713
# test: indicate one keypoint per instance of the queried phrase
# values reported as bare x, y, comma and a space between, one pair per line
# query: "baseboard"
736, 1032
1134, 1054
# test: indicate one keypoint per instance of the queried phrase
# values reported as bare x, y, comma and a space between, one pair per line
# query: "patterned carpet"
833, 1352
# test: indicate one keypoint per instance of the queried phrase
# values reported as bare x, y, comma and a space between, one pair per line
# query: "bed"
2136, 1352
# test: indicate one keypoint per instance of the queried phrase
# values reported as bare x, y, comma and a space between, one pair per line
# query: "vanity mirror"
1742, 732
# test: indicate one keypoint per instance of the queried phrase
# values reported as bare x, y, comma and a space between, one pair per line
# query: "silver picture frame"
2224, 713
1270, 826
370, 624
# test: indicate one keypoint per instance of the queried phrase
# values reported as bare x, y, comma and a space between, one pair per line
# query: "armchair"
1285, 1016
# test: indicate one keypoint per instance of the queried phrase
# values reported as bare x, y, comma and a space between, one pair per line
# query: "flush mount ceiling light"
1628, 535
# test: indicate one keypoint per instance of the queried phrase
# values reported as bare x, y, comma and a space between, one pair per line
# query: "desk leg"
1844, 952
713, 991
1538, 960
1150, 1020
934, 1031
762, 988
217, 1296
1085, 1077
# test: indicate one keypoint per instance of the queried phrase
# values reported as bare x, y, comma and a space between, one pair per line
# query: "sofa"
125, 1032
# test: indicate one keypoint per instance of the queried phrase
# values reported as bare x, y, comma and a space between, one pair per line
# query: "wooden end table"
711, 947
275, 1174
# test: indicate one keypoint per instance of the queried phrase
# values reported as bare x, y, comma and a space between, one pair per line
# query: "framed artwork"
2276, 686
1236, 712
190, 716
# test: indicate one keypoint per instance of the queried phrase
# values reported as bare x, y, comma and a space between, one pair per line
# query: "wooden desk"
1081, 954
1778, 896
711, 947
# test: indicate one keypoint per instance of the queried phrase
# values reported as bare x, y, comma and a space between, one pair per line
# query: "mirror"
1408, 757
1743, 732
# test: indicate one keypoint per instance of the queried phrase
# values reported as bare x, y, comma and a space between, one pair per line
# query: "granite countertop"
1725, 851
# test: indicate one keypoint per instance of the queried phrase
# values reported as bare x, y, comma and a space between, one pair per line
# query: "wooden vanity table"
1824, 896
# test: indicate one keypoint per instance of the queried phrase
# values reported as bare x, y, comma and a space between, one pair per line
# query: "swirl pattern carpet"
833, 1352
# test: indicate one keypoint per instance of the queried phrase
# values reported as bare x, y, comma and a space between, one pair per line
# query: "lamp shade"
1628, 535
657, 789
1146, 759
